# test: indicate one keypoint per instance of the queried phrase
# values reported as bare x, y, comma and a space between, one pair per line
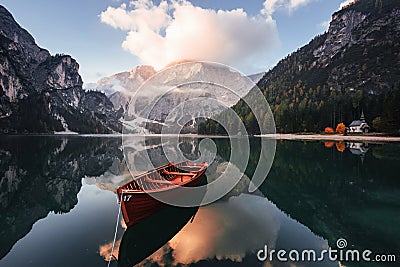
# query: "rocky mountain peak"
43, 93
121, 86
340, 33
358, 24
63, 73
142, 72
26, 68
19, 57
19, 39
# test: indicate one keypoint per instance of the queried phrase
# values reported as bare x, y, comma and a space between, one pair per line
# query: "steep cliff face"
340, 34
43, 93
364, 38
56, 73
19, 57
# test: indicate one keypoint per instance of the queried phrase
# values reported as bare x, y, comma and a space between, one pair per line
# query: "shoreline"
332, 137
293, 136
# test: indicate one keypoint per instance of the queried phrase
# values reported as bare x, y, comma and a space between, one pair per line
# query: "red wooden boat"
136, 198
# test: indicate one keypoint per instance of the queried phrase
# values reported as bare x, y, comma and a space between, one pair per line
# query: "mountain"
41, 93
122, 87
353, 67
183, 95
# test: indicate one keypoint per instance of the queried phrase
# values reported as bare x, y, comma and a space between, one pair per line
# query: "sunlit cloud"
178, 30
106, 249
271, 6
217, 230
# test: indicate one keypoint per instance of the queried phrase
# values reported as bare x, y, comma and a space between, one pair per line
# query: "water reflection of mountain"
338, 196
332, 193
42, 175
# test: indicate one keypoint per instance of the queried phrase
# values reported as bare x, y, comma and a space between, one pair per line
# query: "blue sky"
76, 28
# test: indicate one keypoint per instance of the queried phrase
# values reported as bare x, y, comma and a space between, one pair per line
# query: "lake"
58, 205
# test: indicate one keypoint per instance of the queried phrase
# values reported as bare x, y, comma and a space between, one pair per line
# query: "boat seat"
157, 181
191, 167
179, 173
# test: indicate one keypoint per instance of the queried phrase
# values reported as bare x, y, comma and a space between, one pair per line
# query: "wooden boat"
139, 197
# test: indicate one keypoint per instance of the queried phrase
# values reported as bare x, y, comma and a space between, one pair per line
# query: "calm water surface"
58, 205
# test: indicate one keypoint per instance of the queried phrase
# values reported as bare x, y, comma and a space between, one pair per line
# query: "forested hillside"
353, 67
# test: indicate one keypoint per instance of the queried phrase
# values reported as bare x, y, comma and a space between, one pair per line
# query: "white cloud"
144, 15
176, 30
346, 3
270, 6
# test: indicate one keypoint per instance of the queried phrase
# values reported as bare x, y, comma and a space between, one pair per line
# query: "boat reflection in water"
147, 236
151, 223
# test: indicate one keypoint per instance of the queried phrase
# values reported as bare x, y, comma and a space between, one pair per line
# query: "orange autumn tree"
340, 146
328, 130
340, 128
329, 144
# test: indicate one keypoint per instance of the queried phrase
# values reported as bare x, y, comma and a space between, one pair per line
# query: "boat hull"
138, 205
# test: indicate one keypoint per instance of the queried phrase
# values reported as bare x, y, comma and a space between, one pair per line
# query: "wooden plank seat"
158, 181
190, 166
179, 173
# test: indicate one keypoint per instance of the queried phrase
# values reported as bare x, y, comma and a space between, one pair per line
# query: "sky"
112, 36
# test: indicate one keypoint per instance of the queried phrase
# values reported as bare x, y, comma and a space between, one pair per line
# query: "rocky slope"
43, 93
120, 87
353, 67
